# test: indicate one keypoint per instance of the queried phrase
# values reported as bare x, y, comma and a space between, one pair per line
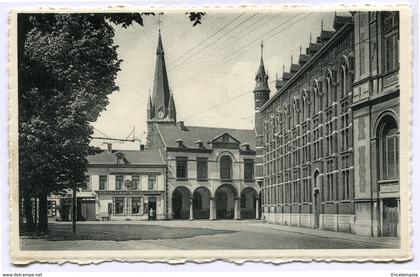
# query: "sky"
211, 67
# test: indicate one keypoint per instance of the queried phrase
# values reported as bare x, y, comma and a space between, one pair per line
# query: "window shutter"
111, 182
95, 182
144, 182
160, 184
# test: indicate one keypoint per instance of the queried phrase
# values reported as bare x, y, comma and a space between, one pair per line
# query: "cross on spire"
159, 21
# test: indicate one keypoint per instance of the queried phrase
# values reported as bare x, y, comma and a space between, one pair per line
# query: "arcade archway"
181, 203
248, 203
225, 201
201, 203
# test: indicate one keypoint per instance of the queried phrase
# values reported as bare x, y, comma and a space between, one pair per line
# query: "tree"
68, 64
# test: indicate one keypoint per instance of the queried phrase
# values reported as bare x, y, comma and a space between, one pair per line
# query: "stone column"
381, 218
212, 213
257, 208
237, 214
191, 209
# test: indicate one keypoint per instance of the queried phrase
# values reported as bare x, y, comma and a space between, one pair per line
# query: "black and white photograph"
210, 134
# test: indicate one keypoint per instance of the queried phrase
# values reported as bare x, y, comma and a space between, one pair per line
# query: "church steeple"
261, 91
160, 94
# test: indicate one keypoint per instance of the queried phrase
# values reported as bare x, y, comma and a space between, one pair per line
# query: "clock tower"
161, 105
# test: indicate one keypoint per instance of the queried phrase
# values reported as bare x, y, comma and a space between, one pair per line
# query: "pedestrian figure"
151, 213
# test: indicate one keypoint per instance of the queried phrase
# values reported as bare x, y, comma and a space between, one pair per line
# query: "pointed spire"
171, 108
160, 94
159, 49
149, 103
150, 112
261, 76
261, 70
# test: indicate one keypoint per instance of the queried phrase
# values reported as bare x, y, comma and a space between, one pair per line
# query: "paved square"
196, 235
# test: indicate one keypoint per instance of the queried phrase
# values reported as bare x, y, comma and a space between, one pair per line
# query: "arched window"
345, 82
304, 106
225, 168
329, 92
315, 101
389, 147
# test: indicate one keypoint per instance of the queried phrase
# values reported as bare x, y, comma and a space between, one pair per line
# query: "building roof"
318, 49
294, 67
132, 157
304, 58
326, 35
340, 21
191, 134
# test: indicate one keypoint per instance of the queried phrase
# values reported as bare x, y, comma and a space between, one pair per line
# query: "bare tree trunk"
27, 212
74, 212
43, 214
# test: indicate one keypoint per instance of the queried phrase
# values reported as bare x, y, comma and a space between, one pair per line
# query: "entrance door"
86, 209
152, 208
390, 217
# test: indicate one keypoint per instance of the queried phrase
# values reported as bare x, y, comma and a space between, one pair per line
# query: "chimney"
180, 125
109, 147
180, 143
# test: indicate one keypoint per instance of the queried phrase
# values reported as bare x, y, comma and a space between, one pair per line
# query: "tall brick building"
327, 140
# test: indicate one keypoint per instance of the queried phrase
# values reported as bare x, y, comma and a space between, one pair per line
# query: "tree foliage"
68, 64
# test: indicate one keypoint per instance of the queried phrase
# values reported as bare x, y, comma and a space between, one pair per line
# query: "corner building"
333, 110
209, 171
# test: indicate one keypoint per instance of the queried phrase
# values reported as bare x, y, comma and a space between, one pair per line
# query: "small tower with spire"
261, 96
150, 111
161, 105
171, 108
261, 91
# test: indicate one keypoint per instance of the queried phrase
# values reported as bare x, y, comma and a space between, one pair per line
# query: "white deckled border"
236, 256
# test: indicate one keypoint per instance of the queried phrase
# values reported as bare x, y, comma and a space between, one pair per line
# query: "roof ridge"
225, 128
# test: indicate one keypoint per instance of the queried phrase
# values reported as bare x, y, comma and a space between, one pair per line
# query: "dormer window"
199, 143
120, 158
180, 143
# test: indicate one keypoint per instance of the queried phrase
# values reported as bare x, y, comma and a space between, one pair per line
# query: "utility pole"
74, 208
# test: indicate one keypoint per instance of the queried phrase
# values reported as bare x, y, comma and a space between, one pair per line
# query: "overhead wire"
203, 41
250, 45
241, 31
207, 46
198, 44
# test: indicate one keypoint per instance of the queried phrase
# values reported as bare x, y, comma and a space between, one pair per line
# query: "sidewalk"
393, 242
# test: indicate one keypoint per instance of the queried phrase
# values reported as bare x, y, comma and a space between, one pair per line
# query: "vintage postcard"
243, 134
